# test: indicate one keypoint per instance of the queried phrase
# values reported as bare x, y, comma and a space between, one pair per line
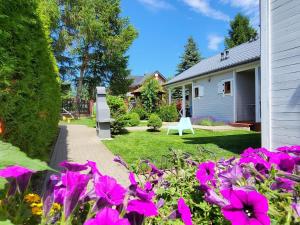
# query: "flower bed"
260, 187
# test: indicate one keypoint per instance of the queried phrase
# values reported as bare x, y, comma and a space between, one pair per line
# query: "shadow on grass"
234, 143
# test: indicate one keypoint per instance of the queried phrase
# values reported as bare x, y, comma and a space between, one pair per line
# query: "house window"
196, 92
227, 87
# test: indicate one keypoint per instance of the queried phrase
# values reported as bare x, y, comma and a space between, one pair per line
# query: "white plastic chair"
184, 124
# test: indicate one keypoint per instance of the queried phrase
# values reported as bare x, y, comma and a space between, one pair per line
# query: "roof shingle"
244, 53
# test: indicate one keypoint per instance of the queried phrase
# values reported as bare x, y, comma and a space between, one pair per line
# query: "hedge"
29, 81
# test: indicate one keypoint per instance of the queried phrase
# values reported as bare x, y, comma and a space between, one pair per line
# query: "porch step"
252, 125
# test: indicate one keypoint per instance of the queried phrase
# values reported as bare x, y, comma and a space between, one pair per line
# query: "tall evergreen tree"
91, 41
240, 31
190, 57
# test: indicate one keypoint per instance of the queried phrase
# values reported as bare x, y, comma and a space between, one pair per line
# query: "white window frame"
231, 87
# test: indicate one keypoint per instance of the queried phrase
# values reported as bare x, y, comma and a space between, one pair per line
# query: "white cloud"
248, 7
156, 4
203, 7
214, 42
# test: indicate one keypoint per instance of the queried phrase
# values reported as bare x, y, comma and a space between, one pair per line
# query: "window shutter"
201, 91
220, 87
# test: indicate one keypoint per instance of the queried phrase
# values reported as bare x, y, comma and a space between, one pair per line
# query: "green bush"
168, 113
116, 105
29, 82
210, 122
154, 122
132, 119
141, 111
117, 110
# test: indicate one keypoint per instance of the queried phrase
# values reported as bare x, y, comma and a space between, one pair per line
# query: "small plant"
118, 110
141, 111
168, 113
132, 119
154, 122
210, 122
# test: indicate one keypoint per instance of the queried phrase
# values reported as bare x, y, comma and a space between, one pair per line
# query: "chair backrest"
185, 122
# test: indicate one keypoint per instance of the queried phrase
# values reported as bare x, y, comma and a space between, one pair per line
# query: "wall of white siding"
285, 72
213, 104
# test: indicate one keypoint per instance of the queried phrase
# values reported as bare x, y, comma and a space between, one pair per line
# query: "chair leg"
180, 132
193, 131
168, 131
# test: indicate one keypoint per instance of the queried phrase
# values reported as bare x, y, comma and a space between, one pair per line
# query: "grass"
88, 121
154, 145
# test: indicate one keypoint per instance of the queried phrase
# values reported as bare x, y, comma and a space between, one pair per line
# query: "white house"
280, 65
225, 86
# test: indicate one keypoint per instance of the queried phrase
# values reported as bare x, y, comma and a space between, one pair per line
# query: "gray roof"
241, 54
139, 80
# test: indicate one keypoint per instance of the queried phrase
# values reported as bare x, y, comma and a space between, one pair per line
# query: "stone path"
78, 143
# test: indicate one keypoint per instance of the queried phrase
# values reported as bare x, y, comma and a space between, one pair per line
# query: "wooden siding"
213, 104
285, 72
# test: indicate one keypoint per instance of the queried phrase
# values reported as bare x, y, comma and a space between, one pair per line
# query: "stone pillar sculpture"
102, 115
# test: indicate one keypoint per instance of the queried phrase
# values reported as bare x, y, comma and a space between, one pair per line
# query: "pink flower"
75, 187
246, 208
184, 212
143, 207
20, 176
107, 216
296, 208
283, 162
71, 166
109, 190
206, 172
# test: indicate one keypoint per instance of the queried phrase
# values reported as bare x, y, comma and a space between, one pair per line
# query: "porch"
243, 86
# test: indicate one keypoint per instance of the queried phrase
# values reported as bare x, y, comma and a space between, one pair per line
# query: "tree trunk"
80, 79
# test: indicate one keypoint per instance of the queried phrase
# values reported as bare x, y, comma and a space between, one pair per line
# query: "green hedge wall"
29, 82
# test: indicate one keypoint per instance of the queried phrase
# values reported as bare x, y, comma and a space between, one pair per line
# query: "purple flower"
296, 207
283, 183
290, 149
259, 163
245, 208
146, 208
155, 170
212, 198
184, 212
109, 190
226, 163
20, 176
107, 216
206, 172
119, 160
71, 166
230, 177
75, 187
283, 162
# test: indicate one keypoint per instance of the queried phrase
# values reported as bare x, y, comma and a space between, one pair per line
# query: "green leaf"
2, 183
11, 155
6, 222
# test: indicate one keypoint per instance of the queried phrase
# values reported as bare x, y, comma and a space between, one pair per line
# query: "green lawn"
153, 145
88, 121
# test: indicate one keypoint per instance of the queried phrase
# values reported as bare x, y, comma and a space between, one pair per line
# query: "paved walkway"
78, 143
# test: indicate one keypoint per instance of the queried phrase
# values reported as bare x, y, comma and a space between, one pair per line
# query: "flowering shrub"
260, 187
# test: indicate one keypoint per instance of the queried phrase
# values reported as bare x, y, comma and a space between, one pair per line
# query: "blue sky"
165, 25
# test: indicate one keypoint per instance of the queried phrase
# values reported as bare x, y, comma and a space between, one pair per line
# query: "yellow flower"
55, 208
32, 198
36, 211
39, 205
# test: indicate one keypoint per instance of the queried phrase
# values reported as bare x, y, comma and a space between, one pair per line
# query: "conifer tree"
240, 31
191, 56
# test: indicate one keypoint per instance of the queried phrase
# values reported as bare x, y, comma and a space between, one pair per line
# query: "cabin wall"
212, 103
